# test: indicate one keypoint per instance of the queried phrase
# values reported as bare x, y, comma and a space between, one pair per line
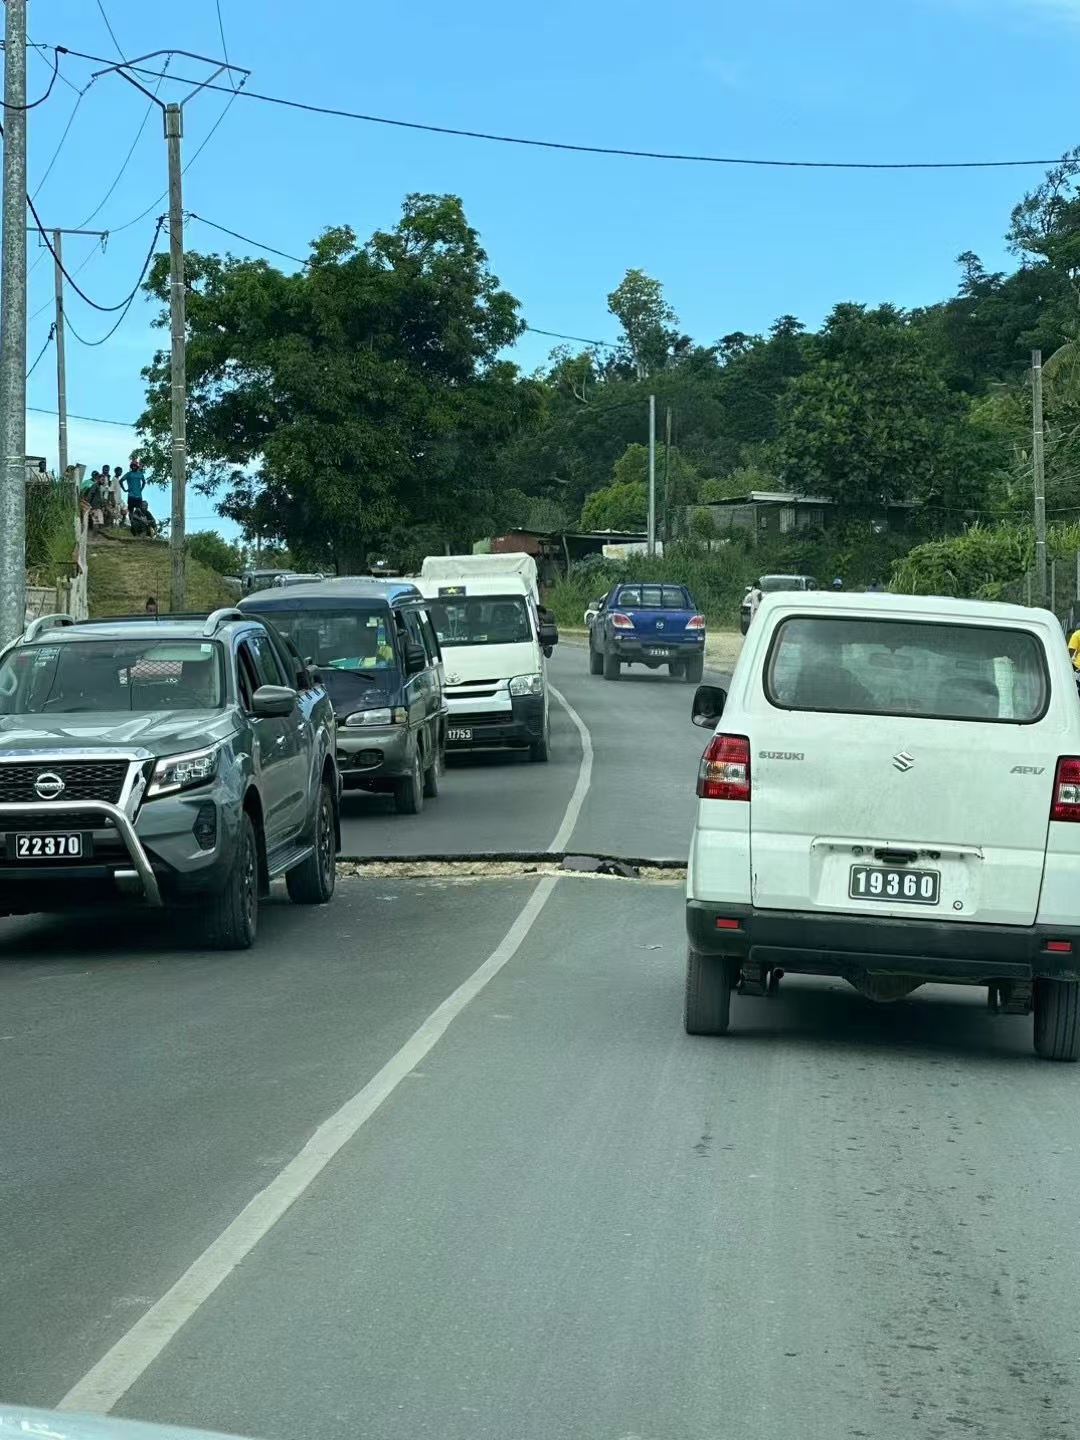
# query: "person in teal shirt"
134, 481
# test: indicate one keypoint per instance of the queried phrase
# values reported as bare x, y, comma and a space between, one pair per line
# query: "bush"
985, 563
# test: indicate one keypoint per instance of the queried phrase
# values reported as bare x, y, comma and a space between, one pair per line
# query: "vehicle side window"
267, 663
247, 674
286, 663
431, 639
415, 632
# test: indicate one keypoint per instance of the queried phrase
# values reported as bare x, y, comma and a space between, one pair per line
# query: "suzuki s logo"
659, 624
902, 760
49, 786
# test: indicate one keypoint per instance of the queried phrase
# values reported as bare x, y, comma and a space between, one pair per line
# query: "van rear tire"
707, 1009
1057, 1019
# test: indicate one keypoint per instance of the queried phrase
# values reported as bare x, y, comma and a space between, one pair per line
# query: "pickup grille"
83, 780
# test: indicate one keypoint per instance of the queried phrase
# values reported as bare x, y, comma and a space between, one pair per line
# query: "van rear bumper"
812, 943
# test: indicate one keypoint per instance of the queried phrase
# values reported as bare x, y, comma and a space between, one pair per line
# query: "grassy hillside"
124, 571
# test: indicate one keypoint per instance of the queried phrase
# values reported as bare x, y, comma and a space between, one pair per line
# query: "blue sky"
734, 247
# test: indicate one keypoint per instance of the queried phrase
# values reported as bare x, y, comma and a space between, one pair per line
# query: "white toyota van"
891, 795
494, 658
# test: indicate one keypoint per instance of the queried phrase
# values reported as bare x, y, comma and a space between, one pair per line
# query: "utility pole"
665, 528
173, 115
174, 130
651, 544
61, 371
1037, 465
13, 331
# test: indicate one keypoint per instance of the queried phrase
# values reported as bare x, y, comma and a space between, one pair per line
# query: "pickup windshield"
893, 667
493, 620
110, 675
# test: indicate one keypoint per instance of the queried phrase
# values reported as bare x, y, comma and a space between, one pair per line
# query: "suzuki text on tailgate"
891, 795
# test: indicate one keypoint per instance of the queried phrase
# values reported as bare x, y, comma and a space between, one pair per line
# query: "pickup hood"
160, 732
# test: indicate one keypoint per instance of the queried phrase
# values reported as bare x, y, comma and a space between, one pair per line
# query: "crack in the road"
511, 865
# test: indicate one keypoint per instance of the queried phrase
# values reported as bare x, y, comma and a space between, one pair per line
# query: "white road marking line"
584, 779
115, 1373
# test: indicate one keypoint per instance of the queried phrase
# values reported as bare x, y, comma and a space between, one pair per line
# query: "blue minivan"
378, 656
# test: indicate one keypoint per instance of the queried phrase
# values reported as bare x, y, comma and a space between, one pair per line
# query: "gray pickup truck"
172, 761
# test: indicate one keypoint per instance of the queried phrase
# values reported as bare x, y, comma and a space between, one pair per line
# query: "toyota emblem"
49, 785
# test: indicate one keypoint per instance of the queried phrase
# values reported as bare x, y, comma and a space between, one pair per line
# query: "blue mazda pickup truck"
648, 624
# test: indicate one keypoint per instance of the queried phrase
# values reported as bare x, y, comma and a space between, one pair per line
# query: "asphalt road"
438, 1161
640, 801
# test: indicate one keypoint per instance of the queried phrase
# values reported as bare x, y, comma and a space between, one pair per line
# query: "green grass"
125, 570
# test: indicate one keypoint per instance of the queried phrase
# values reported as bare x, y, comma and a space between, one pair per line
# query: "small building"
554, 550
768, 513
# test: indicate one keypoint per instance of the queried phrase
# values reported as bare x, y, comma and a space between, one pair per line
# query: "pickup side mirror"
415, 658
270, 701
708, 706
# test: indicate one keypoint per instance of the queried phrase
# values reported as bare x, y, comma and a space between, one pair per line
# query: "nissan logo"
49, 786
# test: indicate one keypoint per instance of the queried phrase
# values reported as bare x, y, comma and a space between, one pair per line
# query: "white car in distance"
891, 795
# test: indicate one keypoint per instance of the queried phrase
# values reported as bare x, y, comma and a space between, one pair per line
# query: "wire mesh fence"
1062, 589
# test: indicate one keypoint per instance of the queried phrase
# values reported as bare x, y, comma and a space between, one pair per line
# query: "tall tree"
648, 323
357, 399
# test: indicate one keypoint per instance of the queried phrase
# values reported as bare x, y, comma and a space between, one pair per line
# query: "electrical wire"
63, 137
579, 339
91, 344
584, 149
49, 339
116, 229
90, 419
33, 45
77, 271
57, 51
112, 32
221, 32
127, 158
105, 309
246, 239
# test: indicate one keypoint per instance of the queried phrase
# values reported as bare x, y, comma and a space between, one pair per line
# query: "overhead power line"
586, 149
91, 344
112, 32
105, 309
48, 341
90, 419
285, 255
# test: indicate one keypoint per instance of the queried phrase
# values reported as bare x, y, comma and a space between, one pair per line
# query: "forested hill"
367, 402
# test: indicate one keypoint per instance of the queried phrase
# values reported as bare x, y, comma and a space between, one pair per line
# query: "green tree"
871, 421
617, 507
364, 394
209, 547
647, 321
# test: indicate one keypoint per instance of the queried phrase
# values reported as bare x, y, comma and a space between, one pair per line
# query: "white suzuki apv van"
891, 795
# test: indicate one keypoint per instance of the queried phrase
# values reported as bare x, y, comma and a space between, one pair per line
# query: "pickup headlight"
180, 772
527, 685
398, 716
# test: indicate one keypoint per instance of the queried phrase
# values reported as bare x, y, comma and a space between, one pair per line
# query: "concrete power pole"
13, 331
174, 130
1038, 469
665, 528
651, 545
61, 370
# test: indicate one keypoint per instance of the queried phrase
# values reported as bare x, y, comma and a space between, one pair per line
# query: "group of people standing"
115, 497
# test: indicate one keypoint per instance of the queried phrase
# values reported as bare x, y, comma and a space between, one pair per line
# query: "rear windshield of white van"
905, 667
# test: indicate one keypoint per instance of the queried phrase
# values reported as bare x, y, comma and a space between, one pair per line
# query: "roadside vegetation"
365, 405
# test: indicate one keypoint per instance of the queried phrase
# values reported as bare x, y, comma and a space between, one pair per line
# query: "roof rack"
45, 622
217, 618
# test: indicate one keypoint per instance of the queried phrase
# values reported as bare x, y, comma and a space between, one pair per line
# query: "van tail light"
1066, 802
724, 772
696, 622
621, 621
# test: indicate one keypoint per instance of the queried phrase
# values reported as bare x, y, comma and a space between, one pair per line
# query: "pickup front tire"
232, 917
312, 881
708, 993
1057, 1019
